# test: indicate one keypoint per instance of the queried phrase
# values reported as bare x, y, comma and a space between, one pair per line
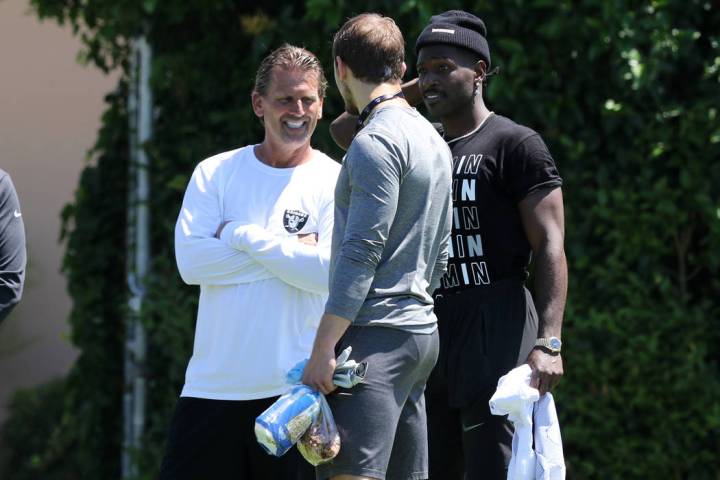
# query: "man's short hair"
289, 57
372, 46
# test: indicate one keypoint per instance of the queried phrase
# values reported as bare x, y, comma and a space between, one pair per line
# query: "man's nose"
297, 107
427, 80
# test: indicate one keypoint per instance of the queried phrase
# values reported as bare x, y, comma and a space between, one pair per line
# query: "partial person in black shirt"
508, 208
12, 247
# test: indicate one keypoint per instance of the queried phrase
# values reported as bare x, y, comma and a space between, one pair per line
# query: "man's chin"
435, 109
440, 112
297, 138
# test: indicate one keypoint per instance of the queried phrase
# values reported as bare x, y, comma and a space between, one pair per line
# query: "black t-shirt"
494, 168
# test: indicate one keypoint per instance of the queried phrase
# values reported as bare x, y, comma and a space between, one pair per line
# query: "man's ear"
403, 69
341, 68
480, 70
257, 104
320, 109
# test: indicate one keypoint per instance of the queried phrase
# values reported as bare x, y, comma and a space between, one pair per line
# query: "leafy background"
626, 94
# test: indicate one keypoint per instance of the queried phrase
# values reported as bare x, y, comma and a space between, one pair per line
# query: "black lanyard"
374, 103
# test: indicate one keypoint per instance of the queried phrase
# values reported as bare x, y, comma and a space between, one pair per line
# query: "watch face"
555, 343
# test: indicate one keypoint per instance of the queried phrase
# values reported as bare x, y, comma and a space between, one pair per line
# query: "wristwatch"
551, 343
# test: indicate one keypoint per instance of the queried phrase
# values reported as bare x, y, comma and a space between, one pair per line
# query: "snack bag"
304, 412
279, 427
321, 442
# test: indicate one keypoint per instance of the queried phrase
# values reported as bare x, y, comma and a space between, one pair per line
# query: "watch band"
551, 343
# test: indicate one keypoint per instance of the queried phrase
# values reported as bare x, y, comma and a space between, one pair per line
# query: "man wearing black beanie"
508, 208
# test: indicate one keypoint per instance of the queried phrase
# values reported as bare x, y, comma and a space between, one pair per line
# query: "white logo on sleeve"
17, 213
294, 220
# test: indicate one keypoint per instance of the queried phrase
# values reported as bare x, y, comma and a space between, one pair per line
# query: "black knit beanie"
459, 28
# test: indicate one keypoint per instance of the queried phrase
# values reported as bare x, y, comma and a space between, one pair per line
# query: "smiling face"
291, 106
448, 77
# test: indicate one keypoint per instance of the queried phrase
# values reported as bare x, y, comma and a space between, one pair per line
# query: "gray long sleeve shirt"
12, 247
392, 223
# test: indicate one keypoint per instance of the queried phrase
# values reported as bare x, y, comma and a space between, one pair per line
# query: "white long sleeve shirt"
262, 292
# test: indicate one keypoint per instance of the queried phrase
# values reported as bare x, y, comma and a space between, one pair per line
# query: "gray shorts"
382, 422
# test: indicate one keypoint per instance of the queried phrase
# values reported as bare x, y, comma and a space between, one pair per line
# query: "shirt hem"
422, 329
340, 312
236, 395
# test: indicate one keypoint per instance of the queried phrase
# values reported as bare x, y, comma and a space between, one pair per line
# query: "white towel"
550, 462
522, 404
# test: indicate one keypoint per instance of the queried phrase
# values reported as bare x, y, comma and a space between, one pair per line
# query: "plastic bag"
279, 427
321, 442
304, 413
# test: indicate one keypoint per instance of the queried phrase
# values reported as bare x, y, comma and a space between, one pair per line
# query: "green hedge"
86, 433
33, 416
626, 94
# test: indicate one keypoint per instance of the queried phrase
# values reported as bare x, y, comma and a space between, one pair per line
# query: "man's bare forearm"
331, 329
319, 370
551, 279
411, 91
342, 130
542, 214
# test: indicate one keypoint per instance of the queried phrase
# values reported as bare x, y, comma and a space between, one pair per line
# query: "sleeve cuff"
547, 185
340, 312
345, 307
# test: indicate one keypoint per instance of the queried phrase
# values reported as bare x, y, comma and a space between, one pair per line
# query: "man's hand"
547, 369
319, 370
308, 238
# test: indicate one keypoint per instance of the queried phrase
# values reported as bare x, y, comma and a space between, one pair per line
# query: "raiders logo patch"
294, 220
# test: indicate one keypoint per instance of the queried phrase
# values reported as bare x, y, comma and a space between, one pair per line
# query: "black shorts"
484, 333
216, 439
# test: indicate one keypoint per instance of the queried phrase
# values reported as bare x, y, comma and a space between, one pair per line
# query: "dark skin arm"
542, 216
342, 129
411, 90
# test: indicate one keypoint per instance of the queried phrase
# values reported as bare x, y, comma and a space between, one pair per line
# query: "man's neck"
465, 121
279, 155
364, 93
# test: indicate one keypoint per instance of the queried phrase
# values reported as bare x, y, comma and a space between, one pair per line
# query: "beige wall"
49, 115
